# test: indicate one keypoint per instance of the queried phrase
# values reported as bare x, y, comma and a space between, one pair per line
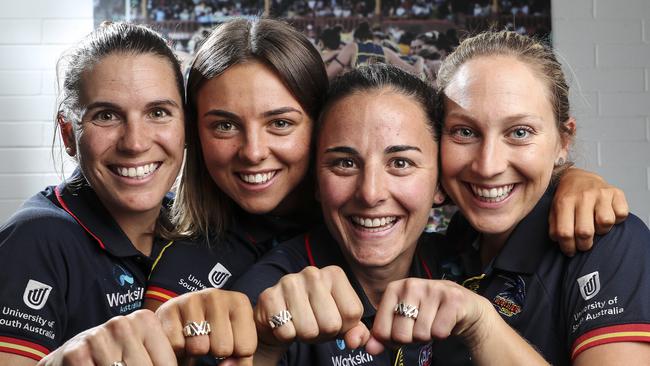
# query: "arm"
584, 205
15, 360
622, 353
344, 57
416, 69
446, 308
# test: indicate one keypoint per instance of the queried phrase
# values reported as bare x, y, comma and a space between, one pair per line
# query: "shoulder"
39, 220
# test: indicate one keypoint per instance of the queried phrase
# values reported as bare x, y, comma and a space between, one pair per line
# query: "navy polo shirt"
193, 265
561, 305
319, 249
66, 267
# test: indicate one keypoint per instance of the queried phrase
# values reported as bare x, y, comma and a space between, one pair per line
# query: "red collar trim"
65, 207
310, 255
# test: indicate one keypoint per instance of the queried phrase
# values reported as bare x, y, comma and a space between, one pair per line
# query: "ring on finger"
280, 319
407, 310
193, 329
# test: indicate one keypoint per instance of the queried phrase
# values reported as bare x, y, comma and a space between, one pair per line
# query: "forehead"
250, 87
496, 83
130, 78
381, 117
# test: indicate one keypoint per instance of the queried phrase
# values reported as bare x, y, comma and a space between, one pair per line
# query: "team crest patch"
218, 276
473, 283
510, 301
426, 352
36, 294
589, 285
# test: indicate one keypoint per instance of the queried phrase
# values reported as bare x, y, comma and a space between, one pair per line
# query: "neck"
300, 198
139, 228
491, 244
374, 280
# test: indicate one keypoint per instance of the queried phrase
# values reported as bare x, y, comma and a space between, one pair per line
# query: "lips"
135, 172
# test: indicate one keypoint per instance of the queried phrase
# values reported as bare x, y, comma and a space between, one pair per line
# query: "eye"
158, 113
105, 117
345, 163
224, 126
464, 132
520, 133
401, 163
281, 123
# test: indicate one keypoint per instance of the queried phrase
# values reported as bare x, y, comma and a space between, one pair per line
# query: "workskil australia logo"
218, 276
354, 358
36, 294
129, 300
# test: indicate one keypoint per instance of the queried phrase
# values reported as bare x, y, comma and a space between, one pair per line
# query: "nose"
373, 187
255, 148
492, 158
137, 136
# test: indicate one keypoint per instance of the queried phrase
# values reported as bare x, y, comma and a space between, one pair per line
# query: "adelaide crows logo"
510, 301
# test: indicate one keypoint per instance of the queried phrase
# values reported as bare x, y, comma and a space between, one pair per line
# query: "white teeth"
492, 194
373, 223
258, 178
136, 172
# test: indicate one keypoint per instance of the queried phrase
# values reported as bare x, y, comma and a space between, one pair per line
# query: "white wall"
33, 33
606, 49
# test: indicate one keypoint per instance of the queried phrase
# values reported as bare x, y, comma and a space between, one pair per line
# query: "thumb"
357, 336
374, 347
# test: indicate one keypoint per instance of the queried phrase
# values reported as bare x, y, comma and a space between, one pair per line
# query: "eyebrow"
399, 148
512, 118
389, 150
273, 112
149, 105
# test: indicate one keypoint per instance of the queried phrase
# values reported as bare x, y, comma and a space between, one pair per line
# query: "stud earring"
69, 151
559, 162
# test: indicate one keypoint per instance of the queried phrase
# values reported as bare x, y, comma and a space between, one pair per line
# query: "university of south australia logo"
218, 276
36, 294
589, 285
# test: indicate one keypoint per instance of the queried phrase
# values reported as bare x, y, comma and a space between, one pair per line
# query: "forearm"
497, 343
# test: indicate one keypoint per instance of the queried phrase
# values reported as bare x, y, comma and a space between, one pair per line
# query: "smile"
374, 224
257, 178
492, 194
138, 172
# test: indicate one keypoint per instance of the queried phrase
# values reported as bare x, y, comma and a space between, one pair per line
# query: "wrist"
476, 332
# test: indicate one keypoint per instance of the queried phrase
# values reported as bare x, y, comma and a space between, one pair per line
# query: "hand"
229, 314
136, 339
584, 205
445, 308
323, 306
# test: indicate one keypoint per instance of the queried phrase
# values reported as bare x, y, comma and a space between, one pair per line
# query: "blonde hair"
538, 55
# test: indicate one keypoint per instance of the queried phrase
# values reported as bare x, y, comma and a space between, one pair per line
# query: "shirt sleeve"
607, 290
34, 280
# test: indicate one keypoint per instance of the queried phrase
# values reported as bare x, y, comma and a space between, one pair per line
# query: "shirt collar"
524, 248
79, 200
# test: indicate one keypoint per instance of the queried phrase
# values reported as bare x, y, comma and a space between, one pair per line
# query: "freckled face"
255, 137
377, 175
499, 143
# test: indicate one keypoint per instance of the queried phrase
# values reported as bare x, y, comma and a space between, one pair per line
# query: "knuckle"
195, 347
308, 332
584, 233
223, 348
119, 326
421, 335
330, 327
246, 347
401, 336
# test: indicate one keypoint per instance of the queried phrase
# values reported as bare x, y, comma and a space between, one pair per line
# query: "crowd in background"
210, 11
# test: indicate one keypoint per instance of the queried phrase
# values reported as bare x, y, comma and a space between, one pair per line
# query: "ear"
67, 134
567, 133
440, 196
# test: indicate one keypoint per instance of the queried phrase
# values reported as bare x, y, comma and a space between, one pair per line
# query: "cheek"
334, 191
416, 195
218, 153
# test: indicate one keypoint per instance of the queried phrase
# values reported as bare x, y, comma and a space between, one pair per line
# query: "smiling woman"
78, 254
